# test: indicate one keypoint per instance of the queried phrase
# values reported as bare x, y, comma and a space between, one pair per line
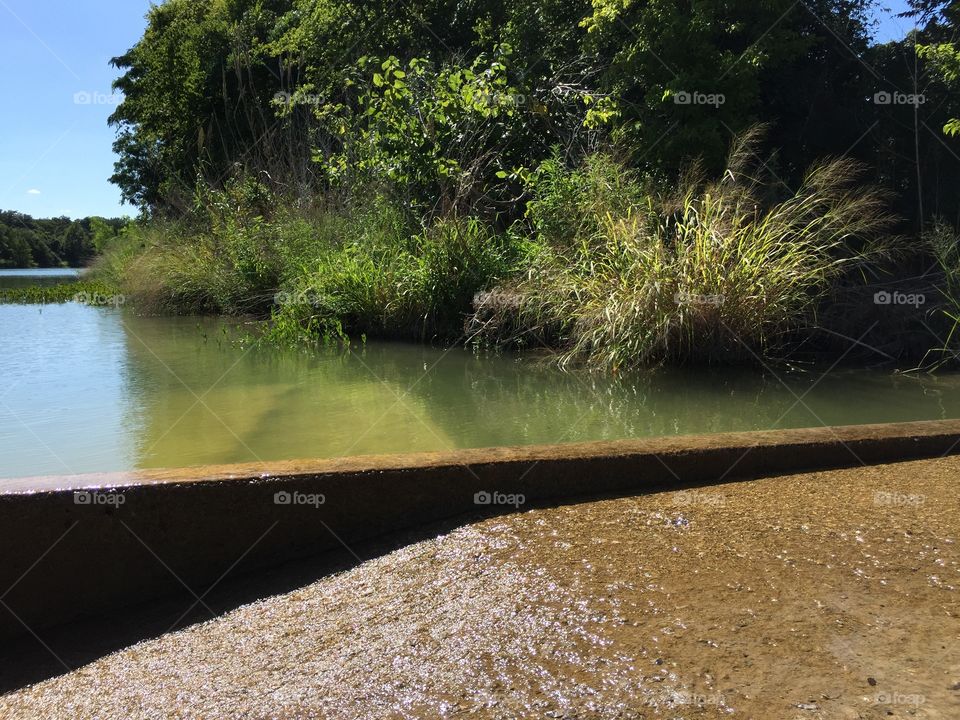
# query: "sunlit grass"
709, 272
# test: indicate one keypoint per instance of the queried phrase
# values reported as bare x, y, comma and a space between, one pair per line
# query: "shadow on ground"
55, 651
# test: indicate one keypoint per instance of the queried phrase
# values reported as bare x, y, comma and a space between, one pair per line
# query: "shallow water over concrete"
821, 595
90, 389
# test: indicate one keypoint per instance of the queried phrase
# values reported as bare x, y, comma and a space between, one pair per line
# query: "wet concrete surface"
120, 540
820, 595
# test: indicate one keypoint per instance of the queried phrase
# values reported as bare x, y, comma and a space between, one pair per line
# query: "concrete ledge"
149, 534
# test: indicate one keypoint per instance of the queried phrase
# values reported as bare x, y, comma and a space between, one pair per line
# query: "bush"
315, 274
392, 285
606, 267
228, 256
165, 268
708, 272
567, 205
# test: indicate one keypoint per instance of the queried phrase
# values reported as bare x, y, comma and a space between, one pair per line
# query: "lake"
37, 276
86, 389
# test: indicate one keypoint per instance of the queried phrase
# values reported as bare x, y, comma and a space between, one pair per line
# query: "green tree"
691, 75
941, 52
197, 90
15, 251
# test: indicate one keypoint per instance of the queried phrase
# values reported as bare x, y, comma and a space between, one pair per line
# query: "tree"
689, 76
942, 53
31, 242
197, 89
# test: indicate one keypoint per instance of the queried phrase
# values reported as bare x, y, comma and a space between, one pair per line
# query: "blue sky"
55, 155
891, 27
55, 146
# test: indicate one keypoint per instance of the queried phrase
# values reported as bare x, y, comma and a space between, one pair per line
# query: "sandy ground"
825, 595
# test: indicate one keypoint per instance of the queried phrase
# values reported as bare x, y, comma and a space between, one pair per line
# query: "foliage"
691, 75
197, 93
945, 246
269, 85
944, 58
316, 274
173, 268
387, 161
446, 139
418, 287
943, 54
707, 272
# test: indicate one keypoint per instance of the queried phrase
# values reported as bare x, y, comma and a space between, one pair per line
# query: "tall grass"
944, 243
316, 272
416, 286
607, 269
710, 271
167, 269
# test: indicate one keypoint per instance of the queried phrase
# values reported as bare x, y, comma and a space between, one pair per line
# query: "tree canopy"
458, 102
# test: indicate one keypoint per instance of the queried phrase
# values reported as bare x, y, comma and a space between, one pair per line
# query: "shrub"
166, 268
394, 285
707, 272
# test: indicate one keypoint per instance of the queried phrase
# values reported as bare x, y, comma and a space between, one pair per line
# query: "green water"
87, 389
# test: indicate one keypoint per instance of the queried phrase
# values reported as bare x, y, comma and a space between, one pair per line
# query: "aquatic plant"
88, 292
314, 273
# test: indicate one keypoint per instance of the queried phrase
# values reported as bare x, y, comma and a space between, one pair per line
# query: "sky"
55, 97
55, 151
891, 27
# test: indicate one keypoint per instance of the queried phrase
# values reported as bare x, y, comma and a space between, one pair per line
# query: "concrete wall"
148, 534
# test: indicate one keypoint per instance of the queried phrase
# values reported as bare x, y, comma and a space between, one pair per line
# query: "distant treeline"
55, 242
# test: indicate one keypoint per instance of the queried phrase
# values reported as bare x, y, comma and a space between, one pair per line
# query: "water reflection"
89, 388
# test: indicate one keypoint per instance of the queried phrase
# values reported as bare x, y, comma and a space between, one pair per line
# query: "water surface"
86, 389
18, 278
